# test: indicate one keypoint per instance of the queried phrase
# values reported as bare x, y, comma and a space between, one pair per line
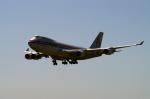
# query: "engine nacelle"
28, 56
33, 56
108, 51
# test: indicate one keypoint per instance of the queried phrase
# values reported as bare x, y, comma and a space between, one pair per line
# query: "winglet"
141, 43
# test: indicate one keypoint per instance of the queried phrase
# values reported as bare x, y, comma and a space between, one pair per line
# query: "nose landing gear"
54, 62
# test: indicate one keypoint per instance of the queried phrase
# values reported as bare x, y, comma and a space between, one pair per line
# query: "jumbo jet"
68, 54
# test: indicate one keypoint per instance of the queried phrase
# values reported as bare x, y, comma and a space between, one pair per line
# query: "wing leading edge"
125, 46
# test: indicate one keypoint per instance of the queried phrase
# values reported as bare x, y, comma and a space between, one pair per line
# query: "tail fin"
98, 41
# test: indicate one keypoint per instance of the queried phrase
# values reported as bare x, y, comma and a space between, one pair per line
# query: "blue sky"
124, 75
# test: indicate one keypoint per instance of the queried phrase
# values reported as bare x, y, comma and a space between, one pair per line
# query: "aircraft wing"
90, 51
27, 51
119, 47
110, 50
30, 52
73, 52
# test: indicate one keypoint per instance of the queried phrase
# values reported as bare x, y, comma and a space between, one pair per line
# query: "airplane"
68, 54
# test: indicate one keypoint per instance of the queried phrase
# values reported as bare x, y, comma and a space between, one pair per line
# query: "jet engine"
109, 51
33, 56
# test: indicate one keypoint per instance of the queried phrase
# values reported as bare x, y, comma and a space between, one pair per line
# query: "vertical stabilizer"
98, 41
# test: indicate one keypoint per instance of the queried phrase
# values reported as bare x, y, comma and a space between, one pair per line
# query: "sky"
124, 75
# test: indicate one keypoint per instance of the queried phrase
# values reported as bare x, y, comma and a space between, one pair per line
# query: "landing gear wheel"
64, 62
54, 62
73, 62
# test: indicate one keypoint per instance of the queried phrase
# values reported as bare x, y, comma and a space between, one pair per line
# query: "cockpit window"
33, 38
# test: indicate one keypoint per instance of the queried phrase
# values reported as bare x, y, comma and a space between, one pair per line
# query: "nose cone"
32, 41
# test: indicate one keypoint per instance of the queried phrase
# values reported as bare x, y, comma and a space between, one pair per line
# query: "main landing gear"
73, 62
65, 62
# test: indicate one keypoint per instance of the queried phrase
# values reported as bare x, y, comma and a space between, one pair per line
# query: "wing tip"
141, 43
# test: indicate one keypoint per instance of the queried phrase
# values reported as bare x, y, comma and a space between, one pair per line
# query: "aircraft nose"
32, 40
